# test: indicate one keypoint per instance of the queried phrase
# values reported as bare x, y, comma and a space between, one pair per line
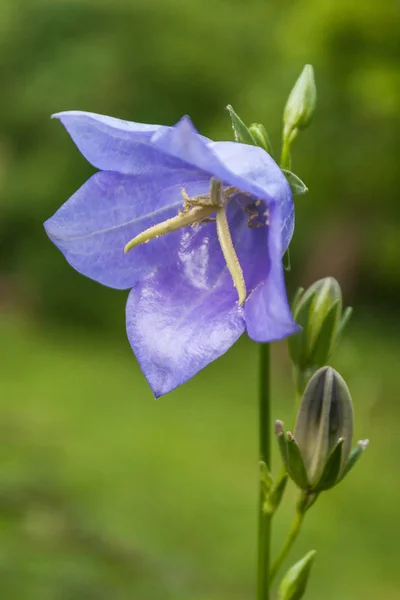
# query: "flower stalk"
292, 536
264, 518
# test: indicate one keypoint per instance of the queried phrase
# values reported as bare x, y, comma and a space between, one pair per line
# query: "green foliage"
153, 62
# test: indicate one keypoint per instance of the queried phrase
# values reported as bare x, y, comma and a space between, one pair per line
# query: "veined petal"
93, 226
249, 168
112, 144
267, 311
176, 329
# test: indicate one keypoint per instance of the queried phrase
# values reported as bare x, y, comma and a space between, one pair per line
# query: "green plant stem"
285, 156
264, 520
288, 138
292, 536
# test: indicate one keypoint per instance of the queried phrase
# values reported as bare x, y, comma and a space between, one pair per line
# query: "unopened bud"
261, 136
319, 312
294, 582
301, 103
324, 427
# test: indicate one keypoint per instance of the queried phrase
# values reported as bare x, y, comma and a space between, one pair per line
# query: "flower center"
199, 209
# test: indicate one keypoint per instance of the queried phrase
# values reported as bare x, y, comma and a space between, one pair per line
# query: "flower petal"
174, 335
253, 163
111, 144
267, 311
182, 317
249, 168
93, 226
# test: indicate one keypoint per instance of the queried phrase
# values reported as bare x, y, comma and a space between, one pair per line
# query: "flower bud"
261, 136
318, 311
317, 456
324, 427
301, 103
294, 582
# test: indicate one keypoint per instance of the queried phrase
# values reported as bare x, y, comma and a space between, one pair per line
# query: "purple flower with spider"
195, 229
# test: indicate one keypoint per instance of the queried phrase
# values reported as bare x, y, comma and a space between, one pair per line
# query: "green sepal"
297, 186
294, 582
345, 319
327, 335
332, 468
275, 496
291, 456
295, 463
282, 442
355, 454
261, 136
240, 130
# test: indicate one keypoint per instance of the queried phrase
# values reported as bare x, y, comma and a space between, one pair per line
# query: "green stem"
264, 520
285, 156
288, 138
292, 535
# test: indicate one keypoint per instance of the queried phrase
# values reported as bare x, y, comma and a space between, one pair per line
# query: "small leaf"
241, 131
294, 582
355, 454
331, 469
275, 495
297, 186
265, 476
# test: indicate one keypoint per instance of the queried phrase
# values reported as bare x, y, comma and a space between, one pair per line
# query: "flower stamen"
183, 219
198, 210
225, 240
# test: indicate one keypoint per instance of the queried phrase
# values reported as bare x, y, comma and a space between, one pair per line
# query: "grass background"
106, 493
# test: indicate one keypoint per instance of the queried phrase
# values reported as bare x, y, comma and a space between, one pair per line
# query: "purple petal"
249, 168
253, 163
112, 144
182, 317
93, 226
267, 311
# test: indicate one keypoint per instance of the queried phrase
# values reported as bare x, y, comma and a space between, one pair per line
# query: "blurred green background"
105, 493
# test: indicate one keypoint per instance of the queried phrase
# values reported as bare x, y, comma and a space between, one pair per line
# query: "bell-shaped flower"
195, 229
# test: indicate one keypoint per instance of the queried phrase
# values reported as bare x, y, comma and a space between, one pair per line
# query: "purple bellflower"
195, 229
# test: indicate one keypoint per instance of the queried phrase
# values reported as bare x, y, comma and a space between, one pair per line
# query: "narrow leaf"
297, 186
275, 495
241, 131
